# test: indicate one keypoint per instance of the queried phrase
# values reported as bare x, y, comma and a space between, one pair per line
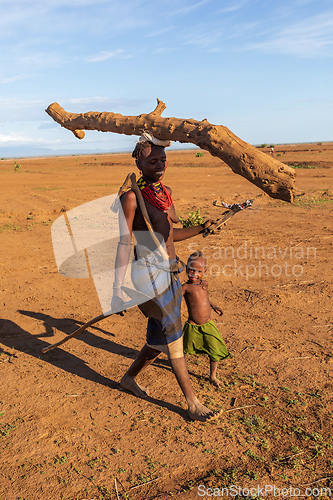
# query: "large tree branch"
272, 176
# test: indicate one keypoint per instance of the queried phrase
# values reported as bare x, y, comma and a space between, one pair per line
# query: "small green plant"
252, 455
121, 469
60, 460
313, 199
16, 166
6, 429
263, 146
199, 154
194, 219
300, 165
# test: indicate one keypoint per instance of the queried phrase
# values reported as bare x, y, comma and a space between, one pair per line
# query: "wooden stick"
302, 357
291, 456
143, 484
115, 483
137, 299
79, 330
318, 481
239, 408
258, 301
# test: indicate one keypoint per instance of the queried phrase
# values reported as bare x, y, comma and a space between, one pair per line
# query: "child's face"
195, 269
152, 163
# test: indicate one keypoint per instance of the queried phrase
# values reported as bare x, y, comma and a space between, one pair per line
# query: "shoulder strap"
130, 183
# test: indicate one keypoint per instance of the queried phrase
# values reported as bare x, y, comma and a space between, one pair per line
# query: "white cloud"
191, 6
20, 138
88, 100
104, 55
16, 110
159, 32
11, 79
48, 125
19, 110
311, 37
164, 50
103, 103
204, 39
39, 21
233, 7
44, 59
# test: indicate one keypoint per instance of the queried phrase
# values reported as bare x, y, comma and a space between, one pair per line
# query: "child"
200, 333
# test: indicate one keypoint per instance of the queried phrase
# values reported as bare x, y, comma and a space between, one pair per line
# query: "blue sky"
263, 68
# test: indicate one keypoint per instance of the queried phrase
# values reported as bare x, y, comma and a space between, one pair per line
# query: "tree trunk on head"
270, 175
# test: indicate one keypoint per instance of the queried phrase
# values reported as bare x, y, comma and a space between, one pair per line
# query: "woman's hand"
117, 302
209, 227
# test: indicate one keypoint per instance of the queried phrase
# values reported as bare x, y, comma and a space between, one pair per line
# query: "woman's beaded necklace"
156, 194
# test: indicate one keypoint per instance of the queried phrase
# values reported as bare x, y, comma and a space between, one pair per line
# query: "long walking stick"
74, 334
148, 307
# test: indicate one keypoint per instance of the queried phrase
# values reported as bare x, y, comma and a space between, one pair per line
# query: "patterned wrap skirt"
160, 281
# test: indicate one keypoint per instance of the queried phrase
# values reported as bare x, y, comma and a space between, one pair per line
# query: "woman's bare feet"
129, 383
198, 411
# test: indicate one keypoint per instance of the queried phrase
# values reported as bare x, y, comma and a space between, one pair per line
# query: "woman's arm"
126, 218
180, 234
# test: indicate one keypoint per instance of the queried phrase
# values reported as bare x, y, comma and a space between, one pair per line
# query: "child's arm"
184, 288
216, 308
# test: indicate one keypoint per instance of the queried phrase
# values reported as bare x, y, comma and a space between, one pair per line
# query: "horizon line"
128, 151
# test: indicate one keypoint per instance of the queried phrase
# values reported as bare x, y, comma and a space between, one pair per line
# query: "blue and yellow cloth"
162, 284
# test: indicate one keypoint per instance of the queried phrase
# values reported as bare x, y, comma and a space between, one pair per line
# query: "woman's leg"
145, 357
196, 410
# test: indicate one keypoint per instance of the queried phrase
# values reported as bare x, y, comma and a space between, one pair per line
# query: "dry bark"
270, 175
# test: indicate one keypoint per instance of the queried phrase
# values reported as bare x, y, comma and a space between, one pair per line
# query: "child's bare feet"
215, 381
129, 383
198, 411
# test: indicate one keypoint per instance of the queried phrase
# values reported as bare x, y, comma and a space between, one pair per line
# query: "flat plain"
68, 430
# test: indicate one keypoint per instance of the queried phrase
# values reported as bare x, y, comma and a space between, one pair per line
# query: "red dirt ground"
68, 430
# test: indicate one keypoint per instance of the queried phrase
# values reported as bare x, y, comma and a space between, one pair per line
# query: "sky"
262, 68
